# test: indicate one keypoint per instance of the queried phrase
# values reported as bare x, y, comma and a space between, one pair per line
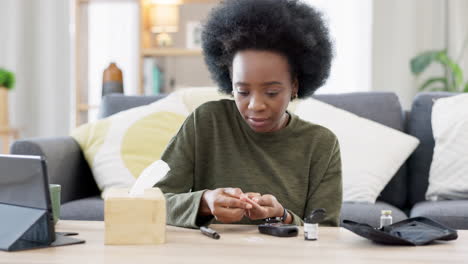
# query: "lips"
257, 121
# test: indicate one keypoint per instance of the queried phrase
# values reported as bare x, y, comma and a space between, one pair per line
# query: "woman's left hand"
263, 206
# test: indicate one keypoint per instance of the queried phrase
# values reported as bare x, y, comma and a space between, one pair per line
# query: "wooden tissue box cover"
134, 220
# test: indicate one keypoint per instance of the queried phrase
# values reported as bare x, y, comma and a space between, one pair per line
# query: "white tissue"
149, 177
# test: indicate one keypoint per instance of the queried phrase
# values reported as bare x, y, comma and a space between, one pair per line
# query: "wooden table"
239, 244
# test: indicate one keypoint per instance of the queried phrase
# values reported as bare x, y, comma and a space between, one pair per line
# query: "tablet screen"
23, 181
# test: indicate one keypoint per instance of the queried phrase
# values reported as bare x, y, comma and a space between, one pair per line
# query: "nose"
256, 103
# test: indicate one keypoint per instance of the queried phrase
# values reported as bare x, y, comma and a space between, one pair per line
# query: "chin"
260, 129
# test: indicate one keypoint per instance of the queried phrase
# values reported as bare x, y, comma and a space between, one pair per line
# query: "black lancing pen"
209, 232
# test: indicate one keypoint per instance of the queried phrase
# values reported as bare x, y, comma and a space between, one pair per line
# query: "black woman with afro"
248, 159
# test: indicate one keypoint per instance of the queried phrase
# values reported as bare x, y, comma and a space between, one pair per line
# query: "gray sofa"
404, 194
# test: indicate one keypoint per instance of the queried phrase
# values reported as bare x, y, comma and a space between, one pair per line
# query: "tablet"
25, 205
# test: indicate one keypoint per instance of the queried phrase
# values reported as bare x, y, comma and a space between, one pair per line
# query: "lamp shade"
164, 18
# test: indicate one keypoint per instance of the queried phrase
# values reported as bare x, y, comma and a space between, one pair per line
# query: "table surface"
239, 243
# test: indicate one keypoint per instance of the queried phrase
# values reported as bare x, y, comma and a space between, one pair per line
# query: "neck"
285, 120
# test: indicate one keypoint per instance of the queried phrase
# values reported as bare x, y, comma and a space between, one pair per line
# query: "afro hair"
289, 27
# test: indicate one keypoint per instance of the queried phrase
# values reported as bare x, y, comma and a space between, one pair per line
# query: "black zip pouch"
414, 231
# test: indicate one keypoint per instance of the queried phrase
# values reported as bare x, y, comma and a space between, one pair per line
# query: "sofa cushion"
371, 153
453, 213
419, 163
448, 176
118, 148
369, 213
114, 103
384, 108
89, 209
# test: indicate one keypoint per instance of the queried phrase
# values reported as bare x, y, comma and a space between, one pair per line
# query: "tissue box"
134, 220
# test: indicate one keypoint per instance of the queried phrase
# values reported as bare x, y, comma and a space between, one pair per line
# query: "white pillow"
371, 153
448, 176
118, 148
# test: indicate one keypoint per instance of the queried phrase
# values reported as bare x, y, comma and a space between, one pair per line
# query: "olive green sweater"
215, 148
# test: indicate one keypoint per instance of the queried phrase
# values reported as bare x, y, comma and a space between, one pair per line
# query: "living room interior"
79, 77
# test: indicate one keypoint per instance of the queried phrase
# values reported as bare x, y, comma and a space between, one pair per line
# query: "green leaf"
431, 81
7, 79
3, 77
466, 88
423, 60
10, 82
455, 71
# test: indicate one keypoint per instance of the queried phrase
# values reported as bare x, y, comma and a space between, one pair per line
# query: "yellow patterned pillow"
120, 147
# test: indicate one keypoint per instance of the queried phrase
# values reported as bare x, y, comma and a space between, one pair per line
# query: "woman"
247, 159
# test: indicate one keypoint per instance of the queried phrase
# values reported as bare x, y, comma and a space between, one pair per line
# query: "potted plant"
452, 81
7, 82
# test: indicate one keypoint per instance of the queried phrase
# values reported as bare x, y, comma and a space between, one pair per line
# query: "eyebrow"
241, 84
271, 83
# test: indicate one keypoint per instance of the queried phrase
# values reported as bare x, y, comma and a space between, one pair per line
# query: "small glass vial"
310, 230
386, 218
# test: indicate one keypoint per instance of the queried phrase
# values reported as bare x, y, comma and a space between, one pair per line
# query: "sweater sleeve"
296, 220
182, 204
329, 193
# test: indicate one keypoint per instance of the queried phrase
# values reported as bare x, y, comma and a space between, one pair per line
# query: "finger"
253, 194
247, 213
234, 192
230, 215
257, 213
248, 200
255, 206
230, 202
229, 212
266, 200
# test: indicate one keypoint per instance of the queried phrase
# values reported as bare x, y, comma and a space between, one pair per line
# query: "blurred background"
63, 52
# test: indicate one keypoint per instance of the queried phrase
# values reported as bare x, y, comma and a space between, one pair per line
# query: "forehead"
258, 66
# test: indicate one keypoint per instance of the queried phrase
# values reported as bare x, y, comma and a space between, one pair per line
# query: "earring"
294, 96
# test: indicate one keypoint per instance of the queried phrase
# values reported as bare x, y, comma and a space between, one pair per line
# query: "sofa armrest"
66, 165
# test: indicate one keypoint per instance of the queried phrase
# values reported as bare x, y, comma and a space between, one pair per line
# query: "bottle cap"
386, 212
316, 216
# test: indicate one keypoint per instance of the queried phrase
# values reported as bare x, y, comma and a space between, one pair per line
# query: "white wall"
458, 32
35, 46
401, 30
12, 42
350, 25
375, 41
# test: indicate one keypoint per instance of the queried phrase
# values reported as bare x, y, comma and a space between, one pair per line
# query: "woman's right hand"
224, 204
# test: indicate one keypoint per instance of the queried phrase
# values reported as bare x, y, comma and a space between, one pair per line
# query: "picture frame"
193, 29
